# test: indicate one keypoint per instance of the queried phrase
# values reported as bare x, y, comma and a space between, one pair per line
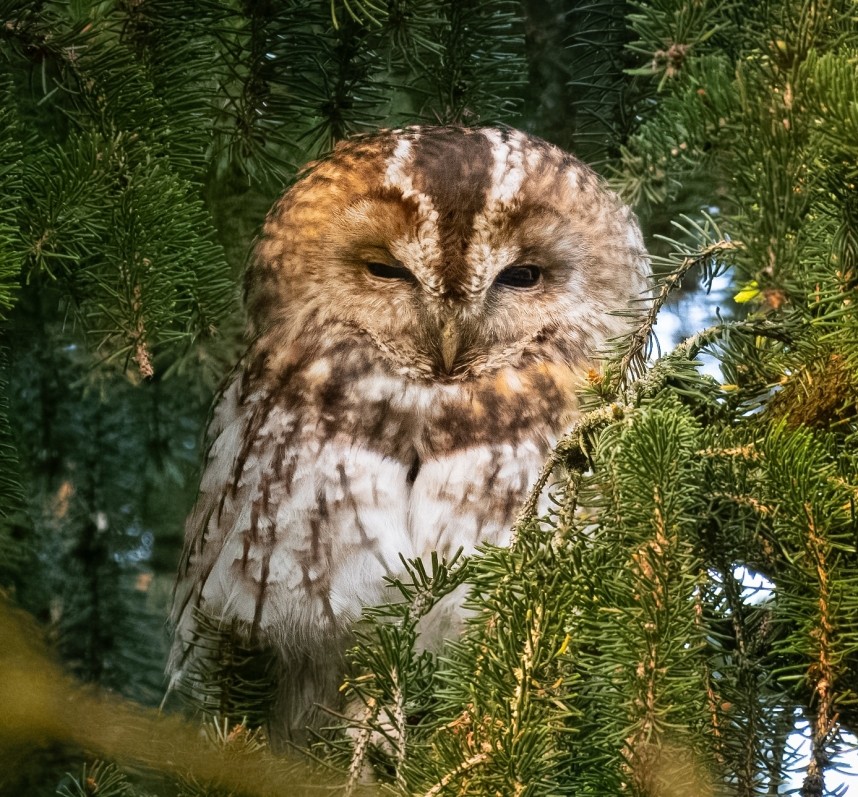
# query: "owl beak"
450, 340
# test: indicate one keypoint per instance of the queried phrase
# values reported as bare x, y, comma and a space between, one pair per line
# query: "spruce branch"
358, 10
225, 679
822, 672
361, 745
574, 449
391, 678
462, 769
101, 778
633, 362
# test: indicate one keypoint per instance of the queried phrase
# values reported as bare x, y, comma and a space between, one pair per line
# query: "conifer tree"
616, 646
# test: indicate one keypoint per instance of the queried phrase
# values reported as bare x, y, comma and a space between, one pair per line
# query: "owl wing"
292, 532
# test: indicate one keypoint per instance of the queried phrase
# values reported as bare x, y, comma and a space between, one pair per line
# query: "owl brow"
538, 220
531, 209
376, 196
387, 195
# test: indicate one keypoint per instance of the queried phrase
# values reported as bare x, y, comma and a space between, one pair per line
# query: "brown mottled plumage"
422, 305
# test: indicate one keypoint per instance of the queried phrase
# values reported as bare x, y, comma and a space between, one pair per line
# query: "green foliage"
10, 254
100, 778
579, 95
94, 187
616, 646
10, 196
229, 681
87, 524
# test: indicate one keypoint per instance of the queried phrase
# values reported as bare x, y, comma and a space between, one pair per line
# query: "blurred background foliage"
142, 144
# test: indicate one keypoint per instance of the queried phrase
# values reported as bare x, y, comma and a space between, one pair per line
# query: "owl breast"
338, 466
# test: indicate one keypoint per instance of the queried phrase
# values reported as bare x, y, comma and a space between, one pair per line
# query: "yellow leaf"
750, 290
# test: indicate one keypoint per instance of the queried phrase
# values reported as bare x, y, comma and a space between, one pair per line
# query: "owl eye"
388, 272
519, 277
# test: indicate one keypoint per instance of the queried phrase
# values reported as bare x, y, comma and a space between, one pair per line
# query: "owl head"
455, 251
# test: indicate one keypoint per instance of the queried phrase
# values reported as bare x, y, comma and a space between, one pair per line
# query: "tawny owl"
422, 305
